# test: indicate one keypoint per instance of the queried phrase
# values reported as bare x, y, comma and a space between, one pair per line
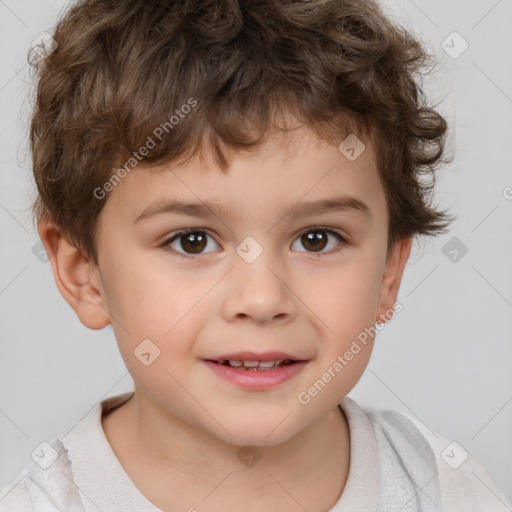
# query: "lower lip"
257, 379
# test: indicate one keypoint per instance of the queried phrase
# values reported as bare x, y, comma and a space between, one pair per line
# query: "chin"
258, 441
260, 436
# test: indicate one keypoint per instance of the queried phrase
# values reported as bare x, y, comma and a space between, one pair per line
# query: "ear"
392, 277
77, 278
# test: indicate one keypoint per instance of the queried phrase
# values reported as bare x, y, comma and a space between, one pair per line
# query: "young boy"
235, 187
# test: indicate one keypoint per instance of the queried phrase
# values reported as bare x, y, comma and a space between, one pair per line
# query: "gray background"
444, 359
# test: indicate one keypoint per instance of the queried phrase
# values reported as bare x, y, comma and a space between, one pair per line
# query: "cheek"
348, 306
350, 296
147, 299
144, 305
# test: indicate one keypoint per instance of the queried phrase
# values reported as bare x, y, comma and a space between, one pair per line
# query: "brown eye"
316, 240
193, 242
188, 243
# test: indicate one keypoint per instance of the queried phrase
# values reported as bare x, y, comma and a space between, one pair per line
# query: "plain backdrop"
445, 358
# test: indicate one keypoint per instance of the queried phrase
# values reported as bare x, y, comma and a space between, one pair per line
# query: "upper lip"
255, 356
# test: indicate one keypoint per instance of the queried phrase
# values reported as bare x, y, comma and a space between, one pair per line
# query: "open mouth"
256, 365
255, 375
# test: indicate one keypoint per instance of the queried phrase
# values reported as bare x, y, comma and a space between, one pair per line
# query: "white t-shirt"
396, 465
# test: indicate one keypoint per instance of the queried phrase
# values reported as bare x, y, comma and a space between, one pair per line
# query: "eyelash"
166, 243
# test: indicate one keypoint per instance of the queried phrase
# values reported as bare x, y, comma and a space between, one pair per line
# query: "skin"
179, 436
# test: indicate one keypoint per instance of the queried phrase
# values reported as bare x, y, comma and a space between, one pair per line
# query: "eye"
193, 241
316, 239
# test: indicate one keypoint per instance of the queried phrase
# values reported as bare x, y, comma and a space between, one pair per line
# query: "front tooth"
251, 364
267, 364
236, 363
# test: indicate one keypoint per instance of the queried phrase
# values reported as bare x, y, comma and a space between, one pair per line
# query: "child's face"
307, 297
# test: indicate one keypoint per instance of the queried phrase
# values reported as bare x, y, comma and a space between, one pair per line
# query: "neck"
190, 468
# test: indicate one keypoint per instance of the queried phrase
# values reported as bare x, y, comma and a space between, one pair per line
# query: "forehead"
295, 170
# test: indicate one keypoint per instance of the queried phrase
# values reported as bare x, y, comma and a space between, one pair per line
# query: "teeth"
267, 364
255, 364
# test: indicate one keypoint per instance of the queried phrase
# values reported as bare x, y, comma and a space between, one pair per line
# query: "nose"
260, 291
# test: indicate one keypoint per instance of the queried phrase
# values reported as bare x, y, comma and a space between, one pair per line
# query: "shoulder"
44, 486
463, 483
15, 498
49, 482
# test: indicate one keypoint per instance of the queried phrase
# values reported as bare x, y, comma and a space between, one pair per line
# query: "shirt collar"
104, 484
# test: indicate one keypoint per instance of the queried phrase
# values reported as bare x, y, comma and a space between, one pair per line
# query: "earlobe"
392, 277
72, 273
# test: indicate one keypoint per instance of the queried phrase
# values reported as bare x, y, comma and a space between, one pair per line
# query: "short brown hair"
123, 68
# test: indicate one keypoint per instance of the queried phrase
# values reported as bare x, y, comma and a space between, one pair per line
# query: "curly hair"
121, 72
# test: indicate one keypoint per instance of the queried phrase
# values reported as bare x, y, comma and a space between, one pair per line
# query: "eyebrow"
299, 209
